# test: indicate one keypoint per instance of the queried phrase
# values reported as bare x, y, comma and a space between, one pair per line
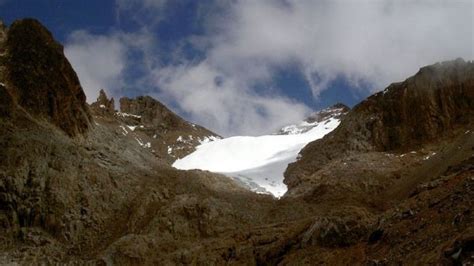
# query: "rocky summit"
393, 184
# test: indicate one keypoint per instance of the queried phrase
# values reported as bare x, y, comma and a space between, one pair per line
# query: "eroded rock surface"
41, 80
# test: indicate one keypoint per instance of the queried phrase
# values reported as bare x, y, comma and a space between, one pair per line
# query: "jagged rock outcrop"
103, 105
151, 111
406, 115
336, 111
170, 136
40, 79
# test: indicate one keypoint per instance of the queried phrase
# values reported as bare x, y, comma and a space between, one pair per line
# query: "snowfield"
257, 162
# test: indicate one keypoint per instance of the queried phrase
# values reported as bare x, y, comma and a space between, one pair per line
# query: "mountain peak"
104, 105
335, 112
406, 115
41, 80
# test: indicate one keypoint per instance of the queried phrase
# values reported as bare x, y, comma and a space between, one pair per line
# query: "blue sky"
249, 67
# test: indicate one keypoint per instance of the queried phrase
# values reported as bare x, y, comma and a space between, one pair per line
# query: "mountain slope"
153, 126
430, 105
34, 60
259, 162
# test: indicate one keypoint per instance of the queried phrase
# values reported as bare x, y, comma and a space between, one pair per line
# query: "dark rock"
405, 115
375, 236
103, 105
151, 111
43, 82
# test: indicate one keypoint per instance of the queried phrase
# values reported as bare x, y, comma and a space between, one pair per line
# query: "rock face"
406, 115
170, 136
103, 105
41, 80
151, 111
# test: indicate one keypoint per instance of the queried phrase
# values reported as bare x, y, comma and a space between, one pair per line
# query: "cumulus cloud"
374, 41
101, 61
245, 43
224, 103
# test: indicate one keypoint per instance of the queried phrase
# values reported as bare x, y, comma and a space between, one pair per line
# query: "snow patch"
143, 144
132, 128
258, 160
208, 139
125, 132
429, 156
127, 115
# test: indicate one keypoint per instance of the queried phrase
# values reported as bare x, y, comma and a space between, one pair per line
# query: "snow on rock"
125, 132
258, 162
127, 115
208, 139
143, 144
132, 128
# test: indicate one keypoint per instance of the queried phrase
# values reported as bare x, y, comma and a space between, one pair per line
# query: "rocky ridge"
152, 125
336, 111
405, 116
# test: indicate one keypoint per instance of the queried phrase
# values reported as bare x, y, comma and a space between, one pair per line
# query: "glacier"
257, 162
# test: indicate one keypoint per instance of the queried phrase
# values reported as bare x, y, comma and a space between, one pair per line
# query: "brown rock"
406, 115
43, 82
103, 105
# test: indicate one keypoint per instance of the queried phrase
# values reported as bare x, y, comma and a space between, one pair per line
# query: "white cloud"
223, 103
376, 41
246, 41
100, 61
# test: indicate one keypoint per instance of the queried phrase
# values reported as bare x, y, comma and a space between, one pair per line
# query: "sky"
248, 67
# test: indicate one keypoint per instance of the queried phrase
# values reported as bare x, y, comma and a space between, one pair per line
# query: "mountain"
34, 59
336, 111
259, 162
152, 125
437, 102
391, 185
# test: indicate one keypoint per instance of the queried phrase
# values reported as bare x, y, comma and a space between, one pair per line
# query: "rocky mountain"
152, 125
433, 104
392, 184
336, 111
32, 59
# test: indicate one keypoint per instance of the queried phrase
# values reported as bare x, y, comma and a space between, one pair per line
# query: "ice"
258, 160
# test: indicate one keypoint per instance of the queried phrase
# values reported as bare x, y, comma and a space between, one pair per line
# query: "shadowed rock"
42, 80
405, 115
